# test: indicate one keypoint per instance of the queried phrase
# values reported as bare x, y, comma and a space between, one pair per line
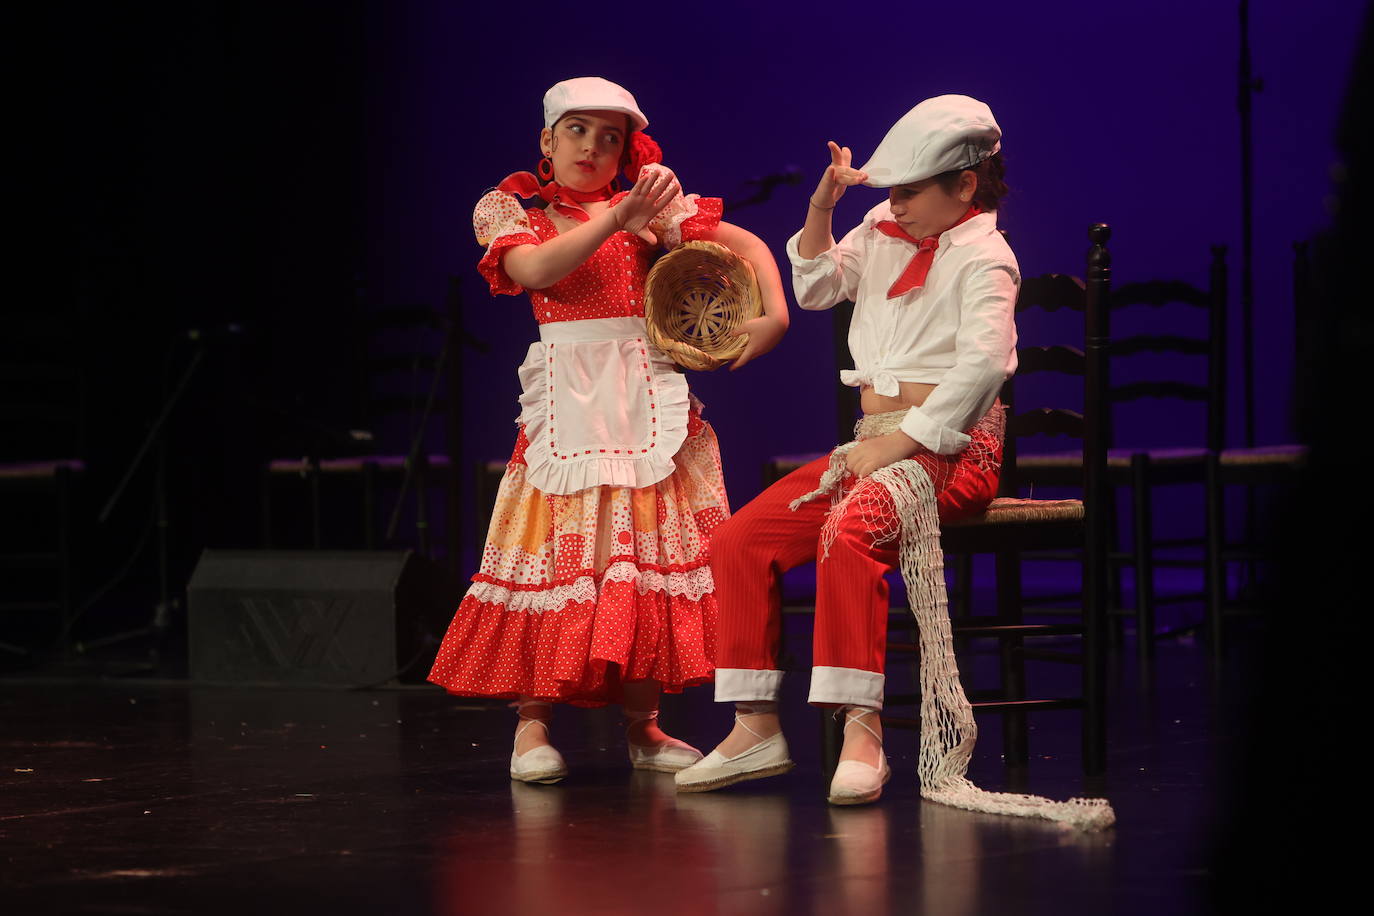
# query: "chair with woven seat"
42, 411
1239, 467
366, 470
335, 469
1144, 470
1250, 467
1012, 525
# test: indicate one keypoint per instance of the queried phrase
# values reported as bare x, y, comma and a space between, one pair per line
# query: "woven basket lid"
695, 296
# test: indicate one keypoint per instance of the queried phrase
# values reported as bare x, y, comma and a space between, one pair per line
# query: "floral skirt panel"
579, 593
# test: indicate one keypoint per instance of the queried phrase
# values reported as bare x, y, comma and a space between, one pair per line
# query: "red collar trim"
565, 200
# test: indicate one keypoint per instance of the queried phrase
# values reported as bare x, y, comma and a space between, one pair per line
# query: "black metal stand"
1248, 86
166, 602
764, 187
416, 458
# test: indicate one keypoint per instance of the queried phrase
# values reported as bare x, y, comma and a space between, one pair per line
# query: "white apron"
601, 406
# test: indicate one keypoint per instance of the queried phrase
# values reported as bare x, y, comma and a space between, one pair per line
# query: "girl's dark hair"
991, 186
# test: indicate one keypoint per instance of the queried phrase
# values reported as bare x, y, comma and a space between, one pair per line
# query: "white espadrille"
856, 782
669, 757
716, 771
542, 764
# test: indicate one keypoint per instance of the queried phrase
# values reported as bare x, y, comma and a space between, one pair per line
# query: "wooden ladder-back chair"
404, 343
1265, 465
1143, 470
43, 412
1012, 526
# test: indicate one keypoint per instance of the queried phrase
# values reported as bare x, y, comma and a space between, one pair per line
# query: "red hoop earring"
545, 169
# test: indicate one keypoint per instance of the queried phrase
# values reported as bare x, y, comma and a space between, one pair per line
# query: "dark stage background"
298, 167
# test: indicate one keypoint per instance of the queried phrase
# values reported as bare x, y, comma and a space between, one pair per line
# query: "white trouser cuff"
842, 686
742, 685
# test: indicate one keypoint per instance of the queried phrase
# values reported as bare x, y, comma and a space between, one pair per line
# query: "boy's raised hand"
838, 176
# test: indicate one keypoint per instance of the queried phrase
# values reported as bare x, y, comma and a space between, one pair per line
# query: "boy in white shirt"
934, 285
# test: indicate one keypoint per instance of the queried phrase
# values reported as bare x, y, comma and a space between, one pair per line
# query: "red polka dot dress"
596, 565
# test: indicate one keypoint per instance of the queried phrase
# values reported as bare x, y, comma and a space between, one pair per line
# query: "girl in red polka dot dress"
595, 585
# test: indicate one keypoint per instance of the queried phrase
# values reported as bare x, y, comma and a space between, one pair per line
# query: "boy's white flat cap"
591, 93
939, 135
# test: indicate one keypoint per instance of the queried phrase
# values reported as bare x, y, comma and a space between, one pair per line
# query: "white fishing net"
899, 501
872, 502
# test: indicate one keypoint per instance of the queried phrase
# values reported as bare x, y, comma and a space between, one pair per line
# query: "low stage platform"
163, 797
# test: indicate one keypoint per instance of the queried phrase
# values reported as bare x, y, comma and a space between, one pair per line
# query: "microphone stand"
415, 457
1248, 86
165, 603
764, 188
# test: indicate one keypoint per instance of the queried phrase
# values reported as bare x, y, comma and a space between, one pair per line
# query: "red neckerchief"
564, 200
914, 275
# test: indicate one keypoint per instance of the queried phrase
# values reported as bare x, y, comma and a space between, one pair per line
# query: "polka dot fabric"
579, 593
497, 213
609, 284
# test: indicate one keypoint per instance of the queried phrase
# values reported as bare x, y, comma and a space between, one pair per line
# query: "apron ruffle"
600, 406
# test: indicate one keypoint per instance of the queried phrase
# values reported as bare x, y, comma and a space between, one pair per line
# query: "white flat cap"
940, 134
590, 93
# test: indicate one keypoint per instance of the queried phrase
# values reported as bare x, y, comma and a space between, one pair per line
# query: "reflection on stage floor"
166, 798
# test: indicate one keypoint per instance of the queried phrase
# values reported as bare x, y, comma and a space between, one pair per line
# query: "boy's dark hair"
991, 187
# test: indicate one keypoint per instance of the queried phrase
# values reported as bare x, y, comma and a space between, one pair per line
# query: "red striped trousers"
765, 538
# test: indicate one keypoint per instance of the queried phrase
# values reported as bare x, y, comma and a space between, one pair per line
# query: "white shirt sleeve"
985, 357
833, 275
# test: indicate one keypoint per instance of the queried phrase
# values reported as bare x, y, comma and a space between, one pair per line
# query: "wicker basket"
696, 294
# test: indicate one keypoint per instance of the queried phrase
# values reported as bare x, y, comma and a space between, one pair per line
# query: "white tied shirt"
956, 332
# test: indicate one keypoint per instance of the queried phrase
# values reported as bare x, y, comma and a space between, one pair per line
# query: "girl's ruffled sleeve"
705, 221
687, 219
500, 223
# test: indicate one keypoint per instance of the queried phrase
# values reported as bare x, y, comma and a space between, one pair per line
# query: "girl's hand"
764, 333
652, 192
872, 454
837, 177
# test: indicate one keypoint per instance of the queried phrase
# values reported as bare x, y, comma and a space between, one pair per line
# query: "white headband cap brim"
591, 93
939, 135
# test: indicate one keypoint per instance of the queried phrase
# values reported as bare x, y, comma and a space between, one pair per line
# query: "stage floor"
164, 798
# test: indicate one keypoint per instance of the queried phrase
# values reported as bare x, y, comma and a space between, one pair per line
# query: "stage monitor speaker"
339, 617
